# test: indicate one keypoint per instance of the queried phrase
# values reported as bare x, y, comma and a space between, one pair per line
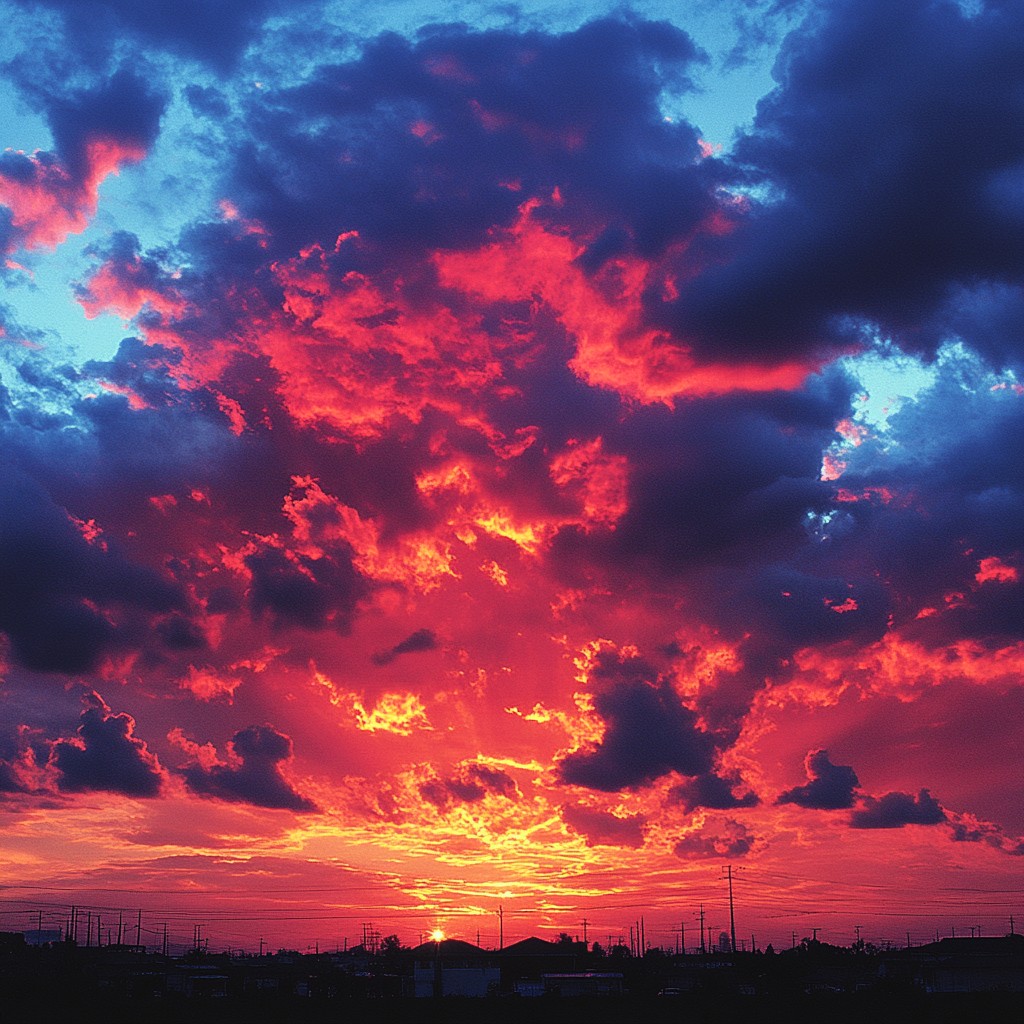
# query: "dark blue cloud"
313, 593
420, 640
949, 461
887, 165
106, 756
65, 602
711, 791
894, 810
216, 32
722, 481
830, 786
723, 495
125, 108
649, 732
206, 101
257, 778
443, 138
811, 611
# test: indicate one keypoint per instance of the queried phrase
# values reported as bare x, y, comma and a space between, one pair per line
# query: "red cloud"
47, 201
603, 314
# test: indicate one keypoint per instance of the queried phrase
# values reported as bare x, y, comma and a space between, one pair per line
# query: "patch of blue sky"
887, 379
914, 410
153, 200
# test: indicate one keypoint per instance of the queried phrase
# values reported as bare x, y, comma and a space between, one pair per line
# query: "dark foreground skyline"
532, 979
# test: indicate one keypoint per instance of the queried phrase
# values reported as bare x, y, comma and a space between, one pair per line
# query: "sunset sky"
535, 459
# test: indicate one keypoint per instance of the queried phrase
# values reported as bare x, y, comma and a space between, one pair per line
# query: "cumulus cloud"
582, 108
649, 732
254, 777
856, 227
968, 828
65, 601
310, 592
894, 810
106, 755
830, 787
712, 791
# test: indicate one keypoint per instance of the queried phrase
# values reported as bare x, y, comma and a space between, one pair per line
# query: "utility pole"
732, 915
138, 930
120, 926
501, 927
164, 946
585, 940
703, 948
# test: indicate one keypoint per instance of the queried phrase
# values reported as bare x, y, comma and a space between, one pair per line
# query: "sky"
536, 460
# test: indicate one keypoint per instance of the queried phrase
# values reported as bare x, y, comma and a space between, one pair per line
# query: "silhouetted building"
960, 965
453, 968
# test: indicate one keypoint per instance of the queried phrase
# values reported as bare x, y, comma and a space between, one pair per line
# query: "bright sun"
437, 935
